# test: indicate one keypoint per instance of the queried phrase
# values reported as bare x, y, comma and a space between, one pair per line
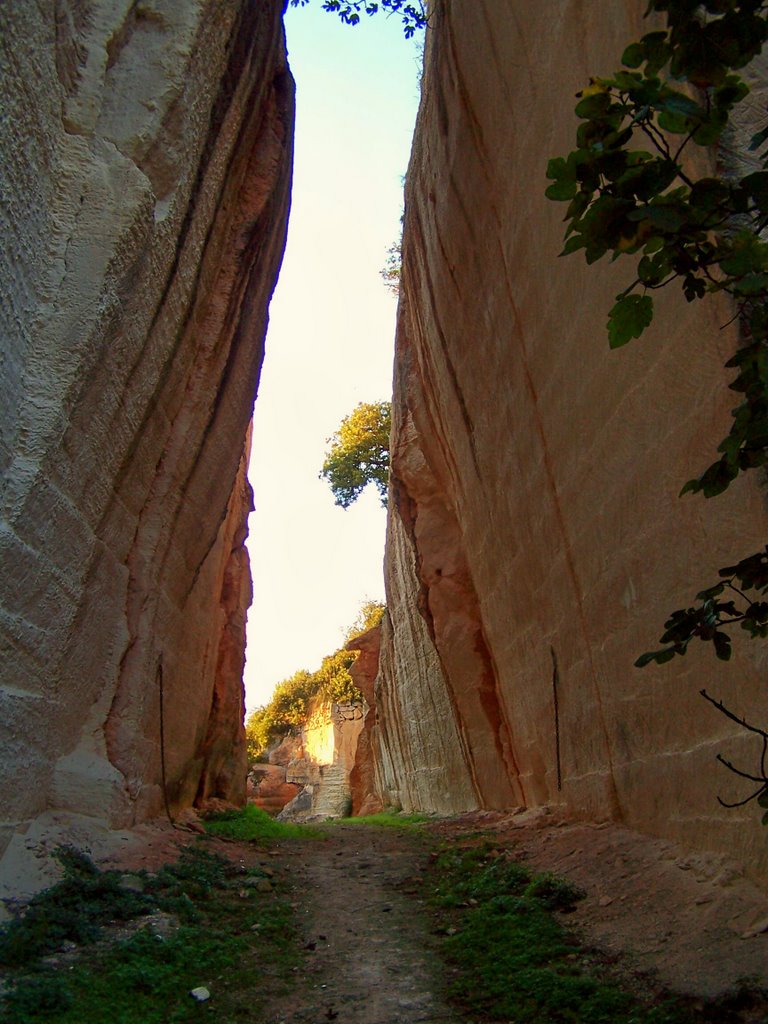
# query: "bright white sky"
330, 339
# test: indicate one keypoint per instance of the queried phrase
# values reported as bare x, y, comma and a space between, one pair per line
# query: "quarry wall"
145, 162
308, 771
535, 539
534, 517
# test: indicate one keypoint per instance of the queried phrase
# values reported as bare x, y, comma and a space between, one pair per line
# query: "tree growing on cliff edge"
359, 453
705, 233
371, 613
393, 265
293, 698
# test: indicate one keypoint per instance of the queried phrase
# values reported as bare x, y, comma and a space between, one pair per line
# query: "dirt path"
370, 956
659, 918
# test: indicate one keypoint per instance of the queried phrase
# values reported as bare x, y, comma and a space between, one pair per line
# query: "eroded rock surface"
364, 670
315, 764
145, 161
534, 519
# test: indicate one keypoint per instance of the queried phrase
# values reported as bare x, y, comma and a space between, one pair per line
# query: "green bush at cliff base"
229, 936
252, 824
73, 910
513, 960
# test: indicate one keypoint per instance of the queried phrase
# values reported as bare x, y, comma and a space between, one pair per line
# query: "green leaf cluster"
678, 87
723, 604
625, 201
393, 267
359, 453
411, 12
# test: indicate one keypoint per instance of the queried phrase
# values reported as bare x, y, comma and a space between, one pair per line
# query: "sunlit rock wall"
534, 517
319, 758
145, 160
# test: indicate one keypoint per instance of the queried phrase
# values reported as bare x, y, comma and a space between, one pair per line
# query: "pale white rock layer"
534, 516
145, 160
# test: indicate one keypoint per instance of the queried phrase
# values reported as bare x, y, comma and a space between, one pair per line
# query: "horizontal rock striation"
534, 520
146, 160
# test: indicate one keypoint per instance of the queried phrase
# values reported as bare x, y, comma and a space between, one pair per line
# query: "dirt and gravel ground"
370, 953
661, 919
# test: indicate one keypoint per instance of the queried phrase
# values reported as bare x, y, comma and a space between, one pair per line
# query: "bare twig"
762, 778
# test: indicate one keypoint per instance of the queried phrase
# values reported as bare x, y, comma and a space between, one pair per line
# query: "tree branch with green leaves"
704, 233
677, 90
412, 12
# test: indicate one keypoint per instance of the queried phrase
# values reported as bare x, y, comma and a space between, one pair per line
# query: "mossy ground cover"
512, 958
251, 824
227, 935
386, 819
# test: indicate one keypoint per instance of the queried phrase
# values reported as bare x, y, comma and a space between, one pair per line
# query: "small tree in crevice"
393, 265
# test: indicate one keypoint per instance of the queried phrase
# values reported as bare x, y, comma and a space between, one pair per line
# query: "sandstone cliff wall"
145, 164
364, 789
534, 517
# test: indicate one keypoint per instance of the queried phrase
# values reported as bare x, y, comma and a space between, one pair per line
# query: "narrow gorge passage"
359, 897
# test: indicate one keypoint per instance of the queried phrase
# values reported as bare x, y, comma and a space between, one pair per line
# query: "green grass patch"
512, 958
74, 910
251, 823
386, 819
227, 935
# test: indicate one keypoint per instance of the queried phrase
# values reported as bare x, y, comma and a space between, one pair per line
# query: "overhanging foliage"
677, 89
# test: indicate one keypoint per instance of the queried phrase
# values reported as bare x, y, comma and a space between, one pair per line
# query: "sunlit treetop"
359, 453
371, 613
293, 699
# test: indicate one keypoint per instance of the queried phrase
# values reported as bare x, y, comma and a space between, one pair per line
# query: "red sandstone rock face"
534, 516
149, 202
362, 777
270, 791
